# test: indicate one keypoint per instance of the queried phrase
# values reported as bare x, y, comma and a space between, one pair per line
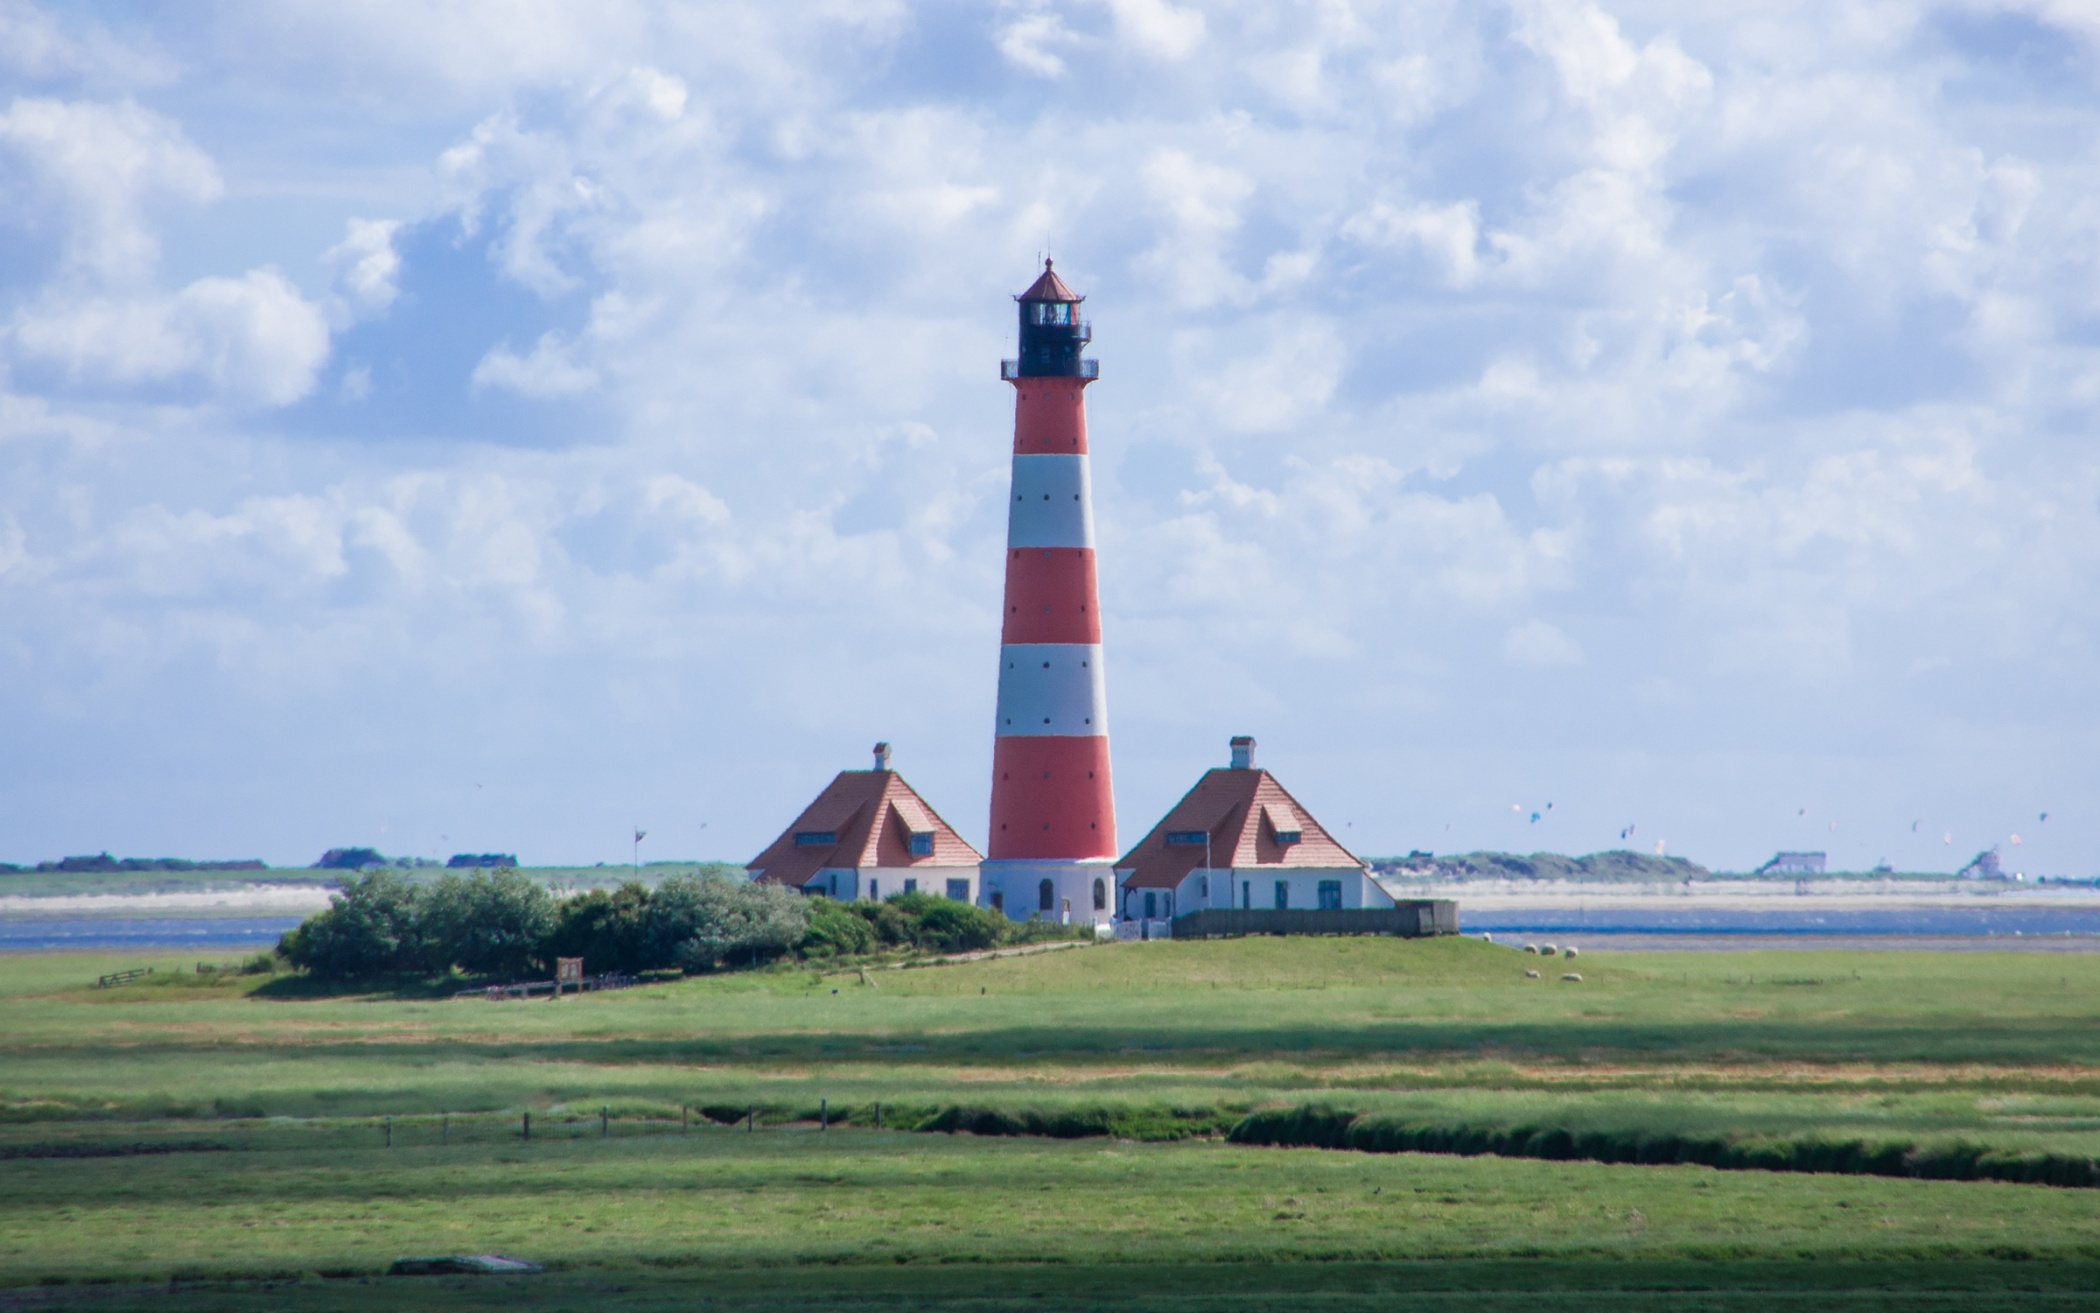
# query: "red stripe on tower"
1053, 831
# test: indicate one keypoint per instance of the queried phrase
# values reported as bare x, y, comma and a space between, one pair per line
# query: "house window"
1285, 838
911, 886
875, 887
1045, 896
1247, 895
922, 843
1100, 895
1186, 838
1330, 895
1203, 887
959, 890
834, 884
1151, 905
815, 838
1283, 894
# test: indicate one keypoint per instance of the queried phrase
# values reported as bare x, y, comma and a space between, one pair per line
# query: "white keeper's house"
1240, 840
870, 835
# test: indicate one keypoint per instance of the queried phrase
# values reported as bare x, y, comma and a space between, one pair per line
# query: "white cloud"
1161, 30
1734, 341
91, 171
1029, 40
550, 371
251, 340
1539, 644
1447, 235
368, 268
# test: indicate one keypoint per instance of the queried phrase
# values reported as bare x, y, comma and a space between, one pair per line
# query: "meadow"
229, 1138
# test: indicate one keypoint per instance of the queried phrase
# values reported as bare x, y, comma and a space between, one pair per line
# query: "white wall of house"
1255, 886
879, 882
893, 880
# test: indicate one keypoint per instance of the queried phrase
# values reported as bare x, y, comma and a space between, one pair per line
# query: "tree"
349, 859
371, 928
608, 930
700, 921
488, 923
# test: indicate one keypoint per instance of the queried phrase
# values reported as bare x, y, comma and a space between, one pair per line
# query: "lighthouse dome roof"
1049, 287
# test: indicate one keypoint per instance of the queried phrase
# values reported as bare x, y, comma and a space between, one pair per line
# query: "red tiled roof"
1049, 288
873, 813
1242, 811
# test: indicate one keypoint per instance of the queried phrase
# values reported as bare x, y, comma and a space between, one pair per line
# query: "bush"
890, 926
370, 929
609, 931
946, 926
698, 922
1317, 1125
834, 931
488, 924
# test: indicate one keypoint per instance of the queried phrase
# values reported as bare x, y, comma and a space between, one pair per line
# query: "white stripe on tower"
1052, 688
1053, 503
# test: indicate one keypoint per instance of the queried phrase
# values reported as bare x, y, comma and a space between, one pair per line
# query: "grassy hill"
219, 1129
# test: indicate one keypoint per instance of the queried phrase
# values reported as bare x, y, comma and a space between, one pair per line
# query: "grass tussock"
1325, 1127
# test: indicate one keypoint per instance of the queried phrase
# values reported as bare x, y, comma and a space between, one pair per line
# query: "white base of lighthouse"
1067, 892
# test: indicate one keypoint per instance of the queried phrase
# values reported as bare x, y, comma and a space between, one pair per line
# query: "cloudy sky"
455, 425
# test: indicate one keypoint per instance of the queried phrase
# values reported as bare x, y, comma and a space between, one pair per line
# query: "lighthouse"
1053, 831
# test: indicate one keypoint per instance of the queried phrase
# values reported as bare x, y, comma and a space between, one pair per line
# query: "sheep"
1530, 974
1570, 951
1547, 950
1531, 948
1575, 976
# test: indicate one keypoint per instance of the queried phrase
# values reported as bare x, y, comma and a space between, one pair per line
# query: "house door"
1283, 894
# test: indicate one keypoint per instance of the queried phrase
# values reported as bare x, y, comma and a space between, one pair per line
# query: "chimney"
882, 756
1242, 752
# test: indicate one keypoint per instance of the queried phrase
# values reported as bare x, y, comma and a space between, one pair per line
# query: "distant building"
1240, 840
1794, 864
870, 835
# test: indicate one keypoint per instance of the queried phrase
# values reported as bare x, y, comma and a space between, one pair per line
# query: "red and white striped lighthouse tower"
1053, 833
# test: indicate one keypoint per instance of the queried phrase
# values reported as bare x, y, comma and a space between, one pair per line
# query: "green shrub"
834, 931
891, 927
371, 928
491, 923
944, 925
700, 922
1320, 1126
608, 930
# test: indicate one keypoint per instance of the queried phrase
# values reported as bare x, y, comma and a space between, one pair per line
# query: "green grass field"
273, 1101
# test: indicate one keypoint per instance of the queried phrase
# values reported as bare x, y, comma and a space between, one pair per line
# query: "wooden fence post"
750, 1120
605, 1121
445, 1129
878, 1115
389, 1132
528, 1128
823, 1114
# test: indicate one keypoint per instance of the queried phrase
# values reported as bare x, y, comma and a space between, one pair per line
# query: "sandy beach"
238, 900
